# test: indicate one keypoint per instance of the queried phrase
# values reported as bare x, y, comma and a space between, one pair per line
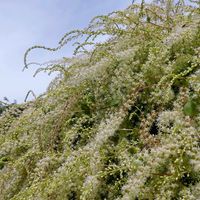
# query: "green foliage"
190, 108
120, 121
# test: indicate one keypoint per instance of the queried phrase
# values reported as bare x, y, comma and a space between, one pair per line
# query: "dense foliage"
122, 118
3, 106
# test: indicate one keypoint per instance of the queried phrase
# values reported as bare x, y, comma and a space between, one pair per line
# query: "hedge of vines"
122, 118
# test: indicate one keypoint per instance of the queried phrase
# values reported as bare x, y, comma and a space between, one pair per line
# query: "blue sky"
25, 23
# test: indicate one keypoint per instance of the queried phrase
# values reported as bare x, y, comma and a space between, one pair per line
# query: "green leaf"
190, 108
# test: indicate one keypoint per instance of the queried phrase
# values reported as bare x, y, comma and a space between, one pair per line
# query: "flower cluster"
122, 118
